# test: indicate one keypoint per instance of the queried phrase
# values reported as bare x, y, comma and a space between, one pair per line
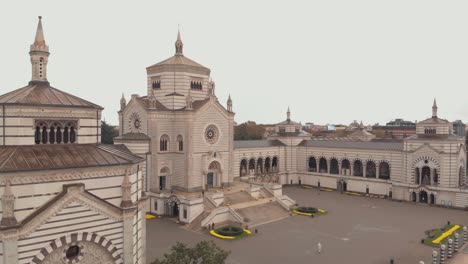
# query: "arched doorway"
423, 197
274, 165
260, 166
267, 164
172, 205
80, 252
432, 199
413, 197
212, 177
251, 166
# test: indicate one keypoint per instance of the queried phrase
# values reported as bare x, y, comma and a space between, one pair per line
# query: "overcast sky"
330, 61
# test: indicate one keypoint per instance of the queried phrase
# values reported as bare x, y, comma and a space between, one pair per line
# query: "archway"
323, 166
213, 175
384, 170
172, 205
260, 165
274, 165
251, 166
312, 164
345, 167
432, 199
243, 167
370, 169
334, 168
413, 197
423, 197
267, 164
357, 171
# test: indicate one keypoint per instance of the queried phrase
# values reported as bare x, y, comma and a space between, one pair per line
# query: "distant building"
397, 128
459, 128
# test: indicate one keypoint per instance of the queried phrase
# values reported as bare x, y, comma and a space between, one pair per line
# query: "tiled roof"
179, 59
290, 134
434, 120
256, 143
50, 157
42, 94
372, 145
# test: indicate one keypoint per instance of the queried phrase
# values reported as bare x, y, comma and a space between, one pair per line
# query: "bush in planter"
230, 231
307, 210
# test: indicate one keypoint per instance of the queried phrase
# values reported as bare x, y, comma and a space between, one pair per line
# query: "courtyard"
356, 230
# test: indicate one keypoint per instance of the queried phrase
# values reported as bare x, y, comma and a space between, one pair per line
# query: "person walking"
319, 247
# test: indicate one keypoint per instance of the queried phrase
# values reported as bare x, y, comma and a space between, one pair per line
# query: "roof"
160, 107
290, 134
133, 136
288, 122
256, 143
42, 94
63, 156
372, 145
179, 59
359, 133
436, 137
434, 120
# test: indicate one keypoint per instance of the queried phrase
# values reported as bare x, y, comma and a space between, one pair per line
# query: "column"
128, 236
351, 168
377, 171
430, 176
364, 170
339, 169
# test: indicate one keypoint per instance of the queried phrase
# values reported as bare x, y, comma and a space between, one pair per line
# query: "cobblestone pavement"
355, 230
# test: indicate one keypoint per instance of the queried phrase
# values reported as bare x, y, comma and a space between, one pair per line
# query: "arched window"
164, 143
357, 171
323, 166
180, 143
426, 175
267, 164
65, 135
72, 135
44, 135
52, 135
370, 169
312, 164
37, 135
384, 170
58, 136
260, 165
345, 167
334, 168
243, 167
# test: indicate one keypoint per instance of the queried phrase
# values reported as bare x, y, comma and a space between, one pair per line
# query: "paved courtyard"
356, 230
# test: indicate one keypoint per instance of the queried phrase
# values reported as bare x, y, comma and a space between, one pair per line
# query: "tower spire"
179, 45
288, 114
39, 53
434, 109
229, 104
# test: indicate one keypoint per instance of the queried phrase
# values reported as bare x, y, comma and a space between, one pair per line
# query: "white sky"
330, 61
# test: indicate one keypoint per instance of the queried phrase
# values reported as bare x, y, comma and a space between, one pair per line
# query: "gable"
135, 110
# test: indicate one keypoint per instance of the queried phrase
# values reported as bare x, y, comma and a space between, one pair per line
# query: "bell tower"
39, 53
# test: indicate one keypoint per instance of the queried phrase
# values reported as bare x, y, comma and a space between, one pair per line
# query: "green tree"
249, 131
108, 132
205, 252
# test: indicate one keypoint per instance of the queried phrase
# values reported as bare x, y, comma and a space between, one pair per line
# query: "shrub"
230, 231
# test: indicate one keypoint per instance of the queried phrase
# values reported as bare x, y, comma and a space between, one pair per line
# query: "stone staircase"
264, 193
262, 213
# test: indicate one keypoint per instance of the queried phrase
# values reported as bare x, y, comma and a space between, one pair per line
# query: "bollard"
456, 242
442, 254
434, 257
450, 249
464, 234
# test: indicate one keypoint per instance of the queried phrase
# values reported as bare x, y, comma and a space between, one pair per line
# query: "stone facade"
65, 197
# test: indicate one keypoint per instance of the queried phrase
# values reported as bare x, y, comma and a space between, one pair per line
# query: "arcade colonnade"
349, 167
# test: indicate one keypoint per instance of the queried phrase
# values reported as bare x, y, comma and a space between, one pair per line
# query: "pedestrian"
203, 193
212, 226
319, 247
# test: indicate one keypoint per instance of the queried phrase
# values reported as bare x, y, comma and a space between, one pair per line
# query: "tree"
249, 131
205, 252
108, 132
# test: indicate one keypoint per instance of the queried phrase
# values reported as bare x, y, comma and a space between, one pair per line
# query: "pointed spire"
123, 102
179, 45
39, 39
8, 205
229, 103
361, 125
288, 114
434, 109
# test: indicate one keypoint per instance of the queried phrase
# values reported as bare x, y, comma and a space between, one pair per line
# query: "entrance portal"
432, 199
423, 197
210, 180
